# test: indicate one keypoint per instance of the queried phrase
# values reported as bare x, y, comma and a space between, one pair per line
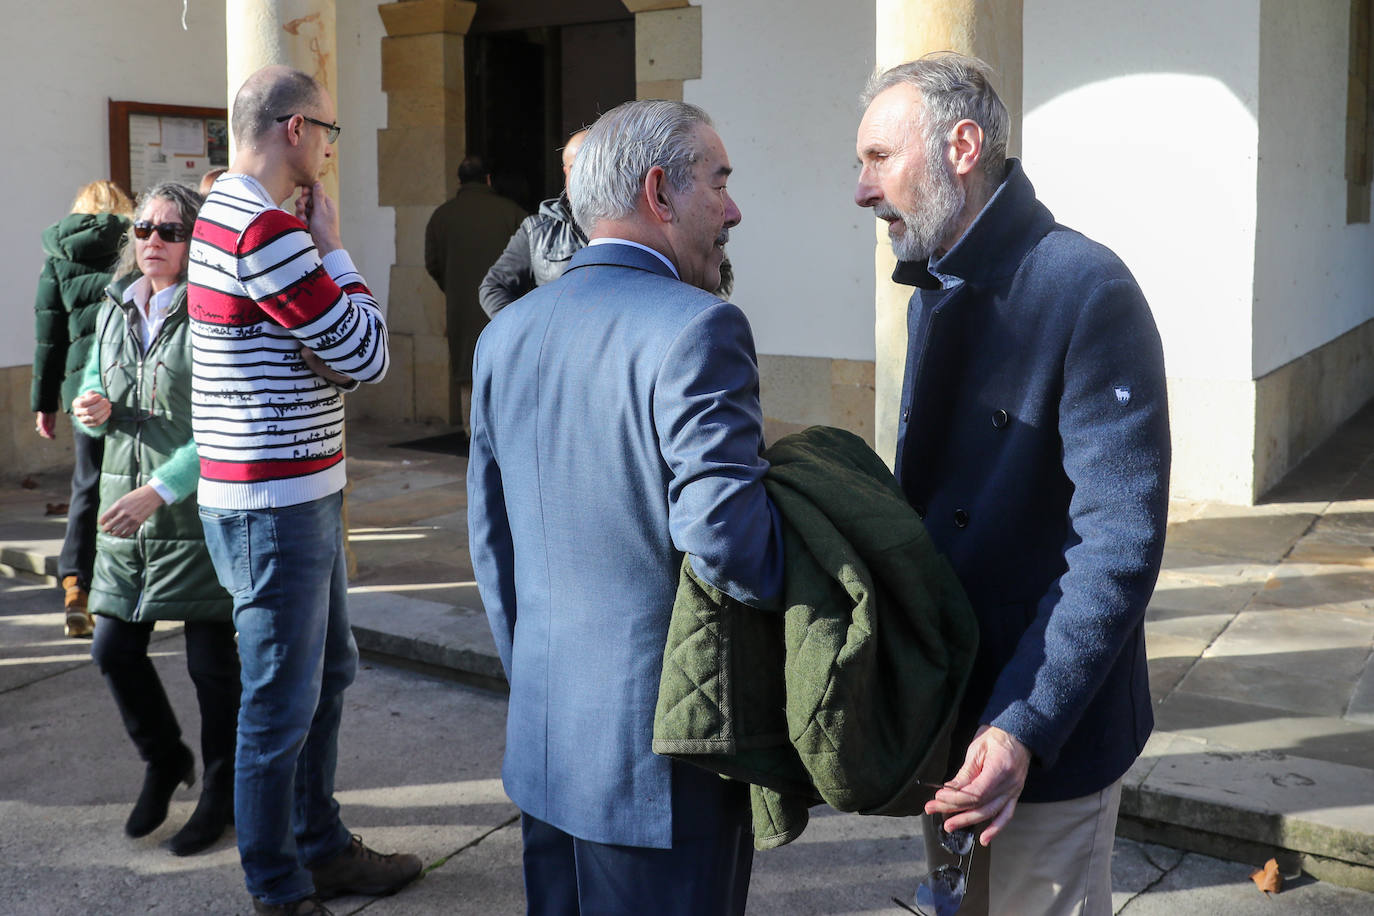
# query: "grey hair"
263, 98
622, 146
187, 202
953, 87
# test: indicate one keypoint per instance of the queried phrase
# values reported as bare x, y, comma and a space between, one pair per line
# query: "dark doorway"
536, 72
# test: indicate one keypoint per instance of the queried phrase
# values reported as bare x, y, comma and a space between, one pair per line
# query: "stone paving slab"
1259, 636
1268, 798
446, 635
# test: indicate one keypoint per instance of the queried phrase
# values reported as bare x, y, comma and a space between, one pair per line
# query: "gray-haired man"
615, 426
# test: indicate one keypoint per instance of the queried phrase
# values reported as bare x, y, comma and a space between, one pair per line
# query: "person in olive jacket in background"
152, 563
462, 238
80, 250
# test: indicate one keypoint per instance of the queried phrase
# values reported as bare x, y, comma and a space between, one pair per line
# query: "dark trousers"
706, 873
78, 547
120, 651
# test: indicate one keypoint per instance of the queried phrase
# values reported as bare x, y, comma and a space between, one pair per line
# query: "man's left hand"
987, 786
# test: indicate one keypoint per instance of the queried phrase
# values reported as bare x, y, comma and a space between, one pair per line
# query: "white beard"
942, 202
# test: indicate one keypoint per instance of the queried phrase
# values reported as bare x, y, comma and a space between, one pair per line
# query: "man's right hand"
320, 214
987, 787
45, 424
321, 368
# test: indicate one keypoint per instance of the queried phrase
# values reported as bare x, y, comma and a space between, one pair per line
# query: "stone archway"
417, 158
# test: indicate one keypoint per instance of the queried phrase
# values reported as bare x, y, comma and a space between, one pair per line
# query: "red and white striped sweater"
269, 430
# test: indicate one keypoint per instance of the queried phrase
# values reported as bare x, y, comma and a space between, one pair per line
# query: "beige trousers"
1052, 859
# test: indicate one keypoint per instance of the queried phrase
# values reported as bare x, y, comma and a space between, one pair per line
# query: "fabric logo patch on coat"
1123, 394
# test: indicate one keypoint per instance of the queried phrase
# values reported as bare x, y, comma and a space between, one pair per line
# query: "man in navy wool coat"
1034, 441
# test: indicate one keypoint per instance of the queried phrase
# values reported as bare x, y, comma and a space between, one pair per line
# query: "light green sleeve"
90, 377
181, 472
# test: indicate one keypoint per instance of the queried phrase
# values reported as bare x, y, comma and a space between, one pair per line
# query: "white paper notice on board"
183, 136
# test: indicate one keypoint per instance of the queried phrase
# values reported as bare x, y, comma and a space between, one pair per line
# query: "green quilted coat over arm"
848, 695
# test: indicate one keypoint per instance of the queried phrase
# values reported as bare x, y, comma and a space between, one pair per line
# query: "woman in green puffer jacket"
81, 252
151, 563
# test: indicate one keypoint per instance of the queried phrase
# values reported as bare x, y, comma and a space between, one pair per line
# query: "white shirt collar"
152, 308
612, 241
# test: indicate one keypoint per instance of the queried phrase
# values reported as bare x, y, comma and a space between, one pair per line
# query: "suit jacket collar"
614, 255
1005, 230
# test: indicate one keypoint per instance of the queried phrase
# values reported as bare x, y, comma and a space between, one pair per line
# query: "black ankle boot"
159, 782
214, 812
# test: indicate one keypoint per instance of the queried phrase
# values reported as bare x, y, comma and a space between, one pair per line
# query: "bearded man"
1033, 439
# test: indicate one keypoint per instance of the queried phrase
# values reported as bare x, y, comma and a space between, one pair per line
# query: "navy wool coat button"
960, 518
906, 414
999, 418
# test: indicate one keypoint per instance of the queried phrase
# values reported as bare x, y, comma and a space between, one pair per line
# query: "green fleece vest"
164, 572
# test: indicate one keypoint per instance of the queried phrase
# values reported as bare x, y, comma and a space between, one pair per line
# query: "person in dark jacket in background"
1034, 440
81, 250
540, 249
152, 563
462, 238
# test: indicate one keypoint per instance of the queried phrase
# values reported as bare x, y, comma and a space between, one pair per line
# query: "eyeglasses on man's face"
332, 129
168, 232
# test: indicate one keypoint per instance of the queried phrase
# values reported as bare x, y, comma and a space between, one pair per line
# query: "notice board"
151, 143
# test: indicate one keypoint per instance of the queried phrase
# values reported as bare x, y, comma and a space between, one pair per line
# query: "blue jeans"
285, 569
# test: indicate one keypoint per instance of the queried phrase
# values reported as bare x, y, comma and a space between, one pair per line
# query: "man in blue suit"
1034, 440
615, 428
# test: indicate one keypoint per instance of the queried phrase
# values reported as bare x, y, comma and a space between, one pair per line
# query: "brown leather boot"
80, 624
359, 870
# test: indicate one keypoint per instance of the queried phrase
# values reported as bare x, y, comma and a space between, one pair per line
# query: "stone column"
417, 170
298, 33
667, 46
991, 30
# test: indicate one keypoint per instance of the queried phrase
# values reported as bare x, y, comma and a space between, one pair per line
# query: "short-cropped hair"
260, 102
608, 174
953, 87
471, 169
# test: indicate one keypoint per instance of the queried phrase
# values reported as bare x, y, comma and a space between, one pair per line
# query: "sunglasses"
168, 232
333, 129
942, 891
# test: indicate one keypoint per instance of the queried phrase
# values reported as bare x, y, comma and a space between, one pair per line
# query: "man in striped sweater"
282, 324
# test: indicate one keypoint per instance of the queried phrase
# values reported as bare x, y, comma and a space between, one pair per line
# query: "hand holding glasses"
941, 892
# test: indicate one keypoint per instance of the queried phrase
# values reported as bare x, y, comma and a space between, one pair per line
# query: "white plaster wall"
1314, 274
63, 61
67, 58
1140, 131
369, 231
781, 81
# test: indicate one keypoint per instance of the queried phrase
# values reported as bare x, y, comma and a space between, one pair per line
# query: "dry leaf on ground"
1268, 878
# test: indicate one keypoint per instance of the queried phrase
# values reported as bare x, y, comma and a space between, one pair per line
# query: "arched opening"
535, 72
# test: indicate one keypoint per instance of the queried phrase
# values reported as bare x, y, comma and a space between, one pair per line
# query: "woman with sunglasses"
151, 562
